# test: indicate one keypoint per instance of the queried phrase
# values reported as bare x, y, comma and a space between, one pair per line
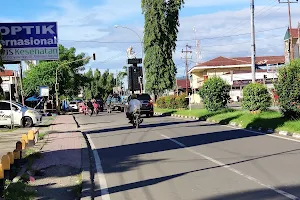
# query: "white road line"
290, 196
100, 174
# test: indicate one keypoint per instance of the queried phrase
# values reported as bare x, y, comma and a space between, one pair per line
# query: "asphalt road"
180, 159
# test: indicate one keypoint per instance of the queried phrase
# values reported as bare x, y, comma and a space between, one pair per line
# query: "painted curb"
234, 124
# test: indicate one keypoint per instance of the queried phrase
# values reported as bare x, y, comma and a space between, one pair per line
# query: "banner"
29, 41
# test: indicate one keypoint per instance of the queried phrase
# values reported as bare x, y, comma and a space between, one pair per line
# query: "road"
180, 159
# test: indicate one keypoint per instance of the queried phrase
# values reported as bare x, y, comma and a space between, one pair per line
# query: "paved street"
174, 159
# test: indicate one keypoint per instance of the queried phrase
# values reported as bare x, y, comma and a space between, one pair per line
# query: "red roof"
223, 61
7, 73
181, 83
294, 32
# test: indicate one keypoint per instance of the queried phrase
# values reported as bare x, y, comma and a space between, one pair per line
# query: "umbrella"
33, 98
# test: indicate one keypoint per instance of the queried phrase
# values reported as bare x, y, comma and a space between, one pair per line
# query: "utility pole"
253, 48
186, 66
290, 26
197, 44
298, 42
21, 83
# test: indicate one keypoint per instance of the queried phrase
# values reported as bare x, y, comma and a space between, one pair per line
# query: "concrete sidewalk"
9, 138
61, 161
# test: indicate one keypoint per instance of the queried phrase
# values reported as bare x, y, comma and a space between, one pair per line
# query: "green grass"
42, 136
265, 120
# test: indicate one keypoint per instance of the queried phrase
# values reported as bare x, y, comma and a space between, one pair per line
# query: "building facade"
237, 72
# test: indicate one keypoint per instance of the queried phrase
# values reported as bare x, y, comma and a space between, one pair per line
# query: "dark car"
147, 104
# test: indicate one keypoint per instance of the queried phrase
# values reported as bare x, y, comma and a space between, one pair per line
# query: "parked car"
114, 102
147, 104
22, 115
73, 105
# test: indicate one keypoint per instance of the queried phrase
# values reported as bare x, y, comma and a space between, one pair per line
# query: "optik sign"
29, 41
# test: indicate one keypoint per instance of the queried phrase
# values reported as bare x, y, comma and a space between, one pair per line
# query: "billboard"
29, 41
44, 91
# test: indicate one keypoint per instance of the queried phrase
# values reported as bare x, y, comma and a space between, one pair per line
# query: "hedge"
172, 102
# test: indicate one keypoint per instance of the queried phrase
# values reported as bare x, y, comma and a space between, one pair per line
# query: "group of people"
91, 104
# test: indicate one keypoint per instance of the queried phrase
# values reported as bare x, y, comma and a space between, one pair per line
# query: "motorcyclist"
133, 106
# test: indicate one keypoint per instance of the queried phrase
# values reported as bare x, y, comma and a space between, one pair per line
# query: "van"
22, 115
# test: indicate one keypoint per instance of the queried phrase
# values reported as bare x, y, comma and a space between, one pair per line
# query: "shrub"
161, 102
256, 97
215, 93
167, 101
288, 90
181, 101
172, 103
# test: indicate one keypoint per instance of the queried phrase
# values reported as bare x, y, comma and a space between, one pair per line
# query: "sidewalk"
9, 138
60, 165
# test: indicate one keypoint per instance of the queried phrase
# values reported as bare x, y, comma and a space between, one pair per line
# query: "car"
147, 104
101, 104
20, 115
73, 105
114, 102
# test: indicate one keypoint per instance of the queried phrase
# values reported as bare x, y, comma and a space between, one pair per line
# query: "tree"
120, 77
215, 93
87, 91
256, 97
69, 77
160, 36
288, 89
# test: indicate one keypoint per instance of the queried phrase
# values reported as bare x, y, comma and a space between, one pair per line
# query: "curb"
234, 124
87, 187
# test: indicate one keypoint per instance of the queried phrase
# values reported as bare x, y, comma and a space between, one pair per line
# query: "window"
143, 97
4, 106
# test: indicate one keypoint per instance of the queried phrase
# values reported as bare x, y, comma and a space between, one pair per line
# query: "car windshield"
143, 97
19, 104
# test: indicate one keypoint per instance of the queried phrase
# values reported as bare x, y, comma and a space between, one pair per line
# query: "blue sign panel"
29, 41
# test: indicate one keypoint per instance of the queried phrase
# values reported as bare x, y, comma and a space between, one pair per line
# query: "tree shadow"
267, 123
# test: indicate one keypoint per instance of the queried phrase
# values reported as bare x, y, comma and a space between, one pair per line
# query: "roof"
182, 83
294, 33
260, 60
7, 73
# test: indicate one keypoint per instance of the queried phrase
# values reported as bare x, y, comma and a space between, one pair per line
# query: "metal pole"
21, 83
253, 42
11, 110
56, 90
291, 37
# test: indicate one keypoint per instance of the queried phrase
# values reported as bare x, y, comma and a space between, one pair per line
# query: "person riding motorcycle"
133, 106
90, 106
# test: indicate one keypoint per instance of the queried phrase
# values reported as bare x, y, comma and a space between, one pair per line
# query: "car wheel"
27, 122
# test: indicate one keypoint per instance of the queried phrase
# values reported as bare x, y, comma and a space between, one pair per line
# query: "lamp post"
142, 51
56, 75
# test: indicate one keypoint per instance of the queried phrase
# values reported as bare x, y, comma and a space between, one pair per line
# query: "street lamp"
141, 41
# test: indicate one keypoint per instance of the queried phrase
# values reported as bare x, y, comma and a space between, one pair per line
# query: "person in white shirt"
133, 106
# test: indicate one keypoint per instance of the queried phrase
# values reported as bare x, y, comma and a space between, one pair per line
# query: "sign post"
11, 110
29, 41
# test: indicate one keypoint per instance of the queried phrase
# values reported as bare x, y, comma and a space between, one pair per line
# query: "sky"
221, 26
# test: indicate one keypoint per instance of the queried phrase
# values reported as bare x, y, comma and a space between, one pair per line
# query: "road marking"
290, 196
100, 173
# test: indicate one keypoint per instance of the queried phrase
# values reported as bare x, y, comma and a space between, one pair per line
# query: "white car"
73, 105
21, 115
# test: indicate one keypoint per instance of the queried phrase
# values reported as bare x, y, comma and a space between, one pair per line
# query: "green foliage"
18, 191
288, 89
97, 85
181, 101
256, 97
120, 77
160, 36
69, 77
172, 102
215, 94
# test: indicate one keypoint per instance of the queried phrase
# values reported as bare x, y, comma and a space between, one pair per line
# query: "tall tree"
97, 85
88, 88
160, 36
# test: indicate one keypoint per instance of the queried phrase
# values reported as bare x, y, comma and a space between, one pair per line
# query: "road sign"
29, 41
44, 91
5, 87
134, 61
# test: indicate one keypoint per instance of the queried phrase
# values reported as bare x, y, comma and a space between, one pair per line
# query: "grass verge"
264, 120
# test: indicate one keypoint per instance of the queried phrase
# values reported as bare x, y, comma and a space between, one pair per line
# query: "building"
236, 71
296, 41
30, 62
9, 77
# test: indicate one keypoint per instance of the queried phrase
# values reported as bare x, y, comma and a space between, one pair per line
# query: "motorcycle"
136, 121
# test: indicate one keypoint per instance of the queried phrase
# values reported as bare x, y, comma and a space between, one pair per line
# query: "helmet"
133, 96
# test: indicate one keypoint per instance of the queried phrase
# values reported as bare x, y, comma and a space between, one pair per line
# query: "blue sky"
88, 25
